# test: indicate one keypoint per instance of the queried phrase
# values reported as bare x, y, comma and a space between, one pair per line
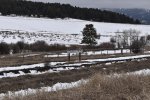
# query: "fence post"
79, 56
107, 52
68, 57
122, 51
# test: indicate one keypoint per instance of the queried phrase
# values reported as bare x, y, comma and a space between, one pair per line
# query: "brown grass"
16, 60
99, 87
49, 79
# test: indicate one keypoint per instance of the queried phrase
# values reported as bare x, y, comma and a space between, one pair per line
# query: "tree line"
42, 46
21, 47
56, 10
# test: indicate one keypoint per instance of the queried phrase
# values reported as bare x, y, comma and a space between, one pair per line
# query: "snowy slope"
57, 30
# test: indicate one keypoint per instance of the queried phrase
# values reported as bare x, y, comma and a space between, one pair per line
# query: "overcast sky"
105, 3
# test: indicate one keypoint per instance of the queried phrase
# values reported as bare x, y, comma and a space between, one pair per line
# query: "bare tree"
125, 38
134, 35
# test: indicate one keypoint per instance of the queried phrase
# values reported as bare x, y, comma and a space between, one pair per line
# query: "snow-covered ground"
66, 31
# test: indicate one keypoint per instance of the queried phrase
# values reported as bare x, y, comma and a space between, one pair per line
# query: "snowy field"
66, 31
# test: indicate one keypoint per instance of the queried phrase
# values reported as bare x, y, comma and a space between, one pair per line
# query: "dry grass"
16, 60
100, 87
49, 79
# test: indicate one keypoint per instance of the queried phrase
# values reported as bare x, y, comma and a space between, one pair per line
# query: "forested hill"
141, 14
56, 10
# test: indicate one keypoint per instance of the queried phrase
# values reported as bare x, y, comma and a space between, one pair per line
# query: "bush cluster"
39, 46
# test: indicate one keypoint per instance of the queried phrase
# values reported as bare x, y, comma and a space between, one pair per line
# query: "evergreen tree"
89, 35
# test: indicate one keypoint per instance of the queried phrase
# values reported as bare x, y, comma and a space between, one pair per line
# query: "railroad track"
65, 66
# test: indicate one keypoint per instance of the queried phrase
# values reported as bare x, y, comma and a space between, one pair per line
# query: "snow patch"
56, 87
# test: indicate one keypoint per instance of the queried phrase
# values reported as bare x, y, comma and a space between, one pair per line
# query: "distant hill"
141, 14
56, 10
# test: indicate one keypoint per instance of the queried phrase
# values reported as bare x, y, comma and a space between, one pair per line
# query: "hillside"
141, 14
66, 31
56, 10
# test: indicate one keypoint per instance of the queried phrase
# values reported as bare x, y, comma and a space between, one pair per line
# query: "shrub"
57, 47
136, 46
20, 44
107, 45
112, 40
15, 48
39, 46
4, 48
148, 37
